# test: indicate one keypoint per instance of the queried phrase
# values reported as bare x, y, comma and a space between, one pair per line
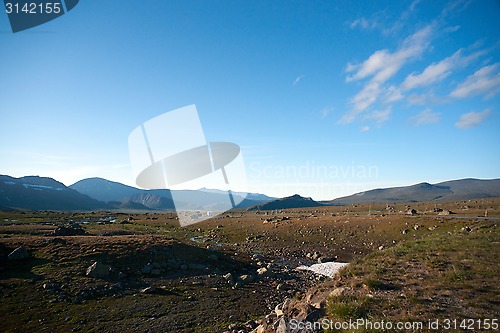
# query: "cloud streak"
381, 66
297, 80
485, 81
426, 117
472, 119
438, 71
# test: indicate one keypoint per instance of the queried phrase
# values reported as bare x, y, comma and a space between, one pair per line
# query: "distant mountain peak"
298, 197
294, 201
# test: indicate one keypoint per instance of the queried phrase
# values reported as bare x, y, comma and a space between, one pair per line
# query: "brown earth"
187, 292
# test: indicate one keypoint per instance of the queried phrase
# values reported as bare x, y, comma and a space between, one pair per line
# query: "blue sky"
325, 98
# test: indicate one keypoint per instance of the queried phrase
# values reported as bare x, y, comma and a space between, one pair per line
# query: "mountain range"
205, 199
463, 189
40, 193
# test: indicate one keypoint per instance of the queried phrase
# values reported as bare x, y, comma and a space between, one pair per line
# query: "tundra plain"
233, 273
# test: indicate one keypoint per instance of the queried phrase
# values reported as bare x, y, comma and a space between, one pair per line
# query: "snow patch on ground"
328, 268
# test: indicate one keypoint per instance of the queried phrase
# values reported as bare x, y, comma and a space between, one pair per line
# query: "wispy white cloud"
485, 81
380, 67
472, 119
365, 129
383, 64
383, 22
380, 116
297, 80
425, 98
452, 28
362, 23
440, 70
455, 7
425, 117
361, 101
392, 94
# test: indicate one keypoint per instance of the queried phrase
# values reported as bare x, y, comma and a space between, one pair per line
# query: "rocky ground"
112, 271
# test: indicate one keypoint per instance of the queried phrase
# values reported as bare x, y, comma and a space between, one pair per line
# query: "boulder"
264, 272
148, 290
246, 278
18, 254
322, 260
338, 292
68, 231
98, 270
411, 212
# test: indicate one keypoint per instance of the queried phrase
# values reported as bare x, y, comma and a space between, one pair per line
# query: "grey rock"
264, 272
322, 260
238, 284
98, 270
247, 278
18, 254
68, 231
148, 290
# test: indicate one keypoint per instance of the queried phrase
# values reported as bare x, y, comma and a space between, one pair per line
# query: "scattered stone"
404, 232
264, 272
322, 260
68, 231
411, 212
18, 254
381, 247
257, 256
148, 290
337, 292
98, 270
246, 278
279, 309
282, 287
238, 284
228, 277
250, 325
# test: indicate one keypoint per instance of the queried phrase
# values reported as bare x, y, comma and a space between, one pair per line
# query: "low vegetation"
403, 267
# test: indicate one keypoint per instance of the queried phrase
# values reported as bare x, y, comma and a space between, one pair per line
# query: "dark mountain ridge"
294, 201
161, 199
462, 189
41, 193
